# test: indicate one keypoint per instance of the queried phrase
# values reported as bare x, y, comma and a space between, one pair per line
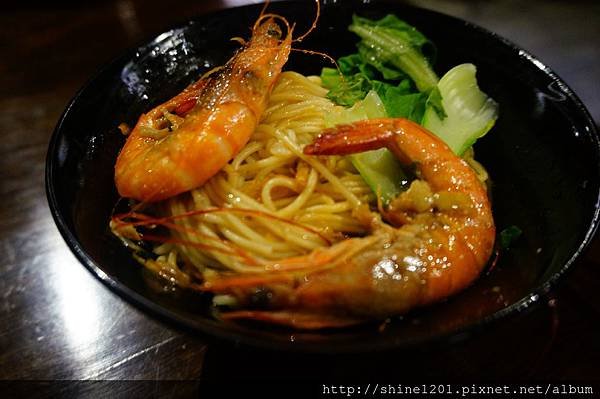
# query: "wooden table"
59, 323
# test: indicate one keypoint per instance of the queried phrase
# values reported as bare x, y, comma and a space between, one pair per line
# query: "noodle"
270, 203
272, 176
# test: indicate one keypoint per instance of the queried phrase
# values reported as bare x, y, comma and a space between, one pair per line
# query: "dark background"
59, 323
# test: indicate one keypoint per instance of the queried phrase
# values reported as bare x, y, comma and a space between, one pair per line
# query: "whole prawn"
440, 236
180, 144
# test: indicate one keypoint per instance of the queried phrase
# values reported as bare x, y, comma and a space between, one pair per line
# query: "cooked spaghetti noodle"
274, 202
270, 204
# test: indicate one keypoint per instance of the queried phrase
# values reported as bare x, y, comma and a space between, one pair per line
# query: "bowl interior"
542, 156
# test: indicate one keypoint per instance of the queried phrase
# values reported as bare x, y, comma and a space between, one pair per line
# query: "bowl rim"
213, 329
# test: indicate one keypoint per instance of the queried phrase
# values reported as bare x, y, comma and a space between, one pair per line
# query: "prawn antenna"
262, 12
327, 57
312, 27
239, 40
314, 23
319, 53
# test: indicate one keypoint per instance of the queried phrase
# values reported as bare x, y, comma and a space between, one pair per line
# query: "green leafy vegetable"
370, 107
345, 90
392, 44
378, 66
509, 235
410, 106
468, 112
355, 63
391, 75
379, 168
400, 101
382, 172
434, 101
371, 56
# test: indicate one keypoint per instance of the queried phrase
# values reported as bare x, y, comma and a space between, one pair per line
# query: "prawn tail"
351, 138
365, 135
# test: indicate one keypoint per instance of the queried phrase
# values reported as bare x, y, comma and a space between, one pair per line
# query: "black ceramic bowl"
542, 155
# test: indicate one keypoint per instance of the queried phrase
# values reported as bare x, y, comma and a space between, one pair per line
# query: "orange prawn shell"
178, 167
229, 104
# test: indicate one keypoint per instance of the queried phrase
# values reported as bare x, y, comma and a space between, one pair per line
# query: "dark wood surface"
57, 322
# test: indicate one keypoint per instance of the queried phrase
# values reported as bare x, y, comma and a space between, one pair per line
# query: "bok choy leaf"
468, 112
379, 168
392, 44
391, 75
